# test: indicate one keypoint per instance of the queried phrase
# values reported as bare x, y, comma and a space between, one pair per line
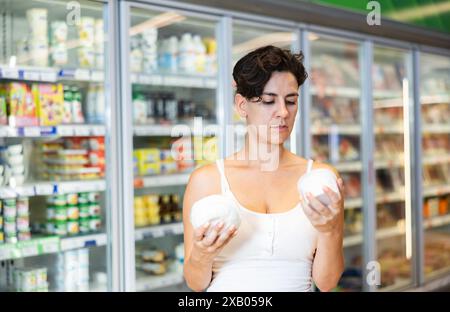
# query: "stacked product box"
12, 165
153, 209
72, 214
38, 36
153, 161
30, 280
58, 43
15, 225
72, 269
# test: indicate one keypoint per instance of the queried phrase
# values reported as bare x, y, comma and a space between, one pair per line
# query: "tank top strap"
310, 163
223, 179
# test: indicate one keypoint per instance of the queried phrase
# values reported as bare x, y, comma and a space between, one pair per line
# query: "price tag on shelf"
99, 186
43, 189
156, 80
177, 229
144, 79
29, 249
25, 191
49, 246
48, 76
31, 75
7, 192
158, 232
194, 82
65, 131
31, 131
98, 130
82, 131
71, 243
97, 75
82, 74
9, 73
210, 83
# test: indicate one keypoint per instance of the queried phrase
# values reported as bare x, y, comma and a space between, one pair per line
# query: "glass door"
52, 146
391, 162
173, 73
435, 108
335, 130
246, 38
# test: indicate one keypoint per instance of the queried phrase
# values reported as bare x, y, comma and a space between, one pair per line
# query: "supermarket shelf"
389, 129
437, 190
436, 128
91, 240
51, 188
145, 282
392, 197
176, 80
50, 74
436, 221
49, 244
175, 130
337, 129
353, 203
436, 159
348, 166
354, 240
158, 231
161, 180
435, 99
52, 131
337, 91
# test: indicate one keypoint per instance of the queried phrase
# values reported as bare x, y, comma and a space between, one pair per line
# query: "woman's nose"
282, 110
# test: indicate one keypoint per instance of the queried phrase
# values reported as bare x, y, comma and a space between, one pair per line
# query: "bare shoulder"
204, 181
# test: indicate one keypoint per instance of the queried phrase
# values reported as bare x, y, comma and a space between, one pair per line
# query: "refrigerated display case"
391, 162
172, 69
435, 113
53, 208
335, 130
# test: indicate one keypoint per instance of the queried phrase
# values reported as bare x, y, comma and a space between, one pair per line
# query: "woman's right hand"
206, 248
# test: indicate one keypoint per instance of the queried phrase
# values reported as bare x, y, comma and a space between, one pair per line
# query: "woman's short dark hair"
253, 71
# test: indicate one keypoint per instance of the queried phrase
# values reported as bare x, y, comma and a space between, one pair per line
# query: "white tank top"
271, 252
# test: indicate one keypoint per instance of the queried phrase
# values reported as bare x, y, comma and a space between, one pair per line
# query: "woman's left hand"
325, 218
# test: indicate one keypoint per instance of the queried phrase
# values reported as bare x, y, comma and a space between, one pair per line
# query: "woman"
283, 242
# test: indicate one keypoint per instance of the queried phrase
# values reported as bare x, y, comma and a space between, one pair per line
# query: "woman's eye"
268, 103
291, 103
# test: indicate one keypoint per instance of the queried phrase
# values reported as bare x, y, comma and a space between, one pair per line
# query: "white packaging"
83, 257
37, 22
200, 54
314, 181
99, 33
213, 209
38, 52
86, 57
186, 55
86, 31
140, 110
100, 105
58, 32
59, 54
136, 57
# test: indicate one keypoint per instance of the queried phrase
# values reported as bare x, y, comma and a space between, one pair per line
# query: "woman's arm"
201, 250
328, 262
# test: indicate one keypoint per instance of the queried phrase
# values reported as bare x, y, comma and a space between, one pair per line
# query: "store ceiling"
431, 14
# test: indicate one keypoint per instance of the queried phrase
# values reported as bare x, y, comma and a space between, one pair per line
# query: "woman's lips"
279, 128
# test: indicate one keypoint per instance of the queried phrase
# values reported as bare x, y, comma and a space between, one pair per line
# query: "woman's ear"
240, 104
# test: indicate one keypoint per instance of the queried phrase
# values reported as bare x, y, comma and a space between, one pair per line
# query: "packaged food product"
3, 111
61, 213
59, 53
9, 208
23, 224
50, 227
20, 104
24, 236
72, 199
94, 197
68, 96
58, 32
73, 227
149, 168
50, 103
83, 198
22, 207
37, 22
86, 57
154, 268
51, 212
97, 143
94, 224
86, 31
59, 200
10, 227
38, 52
2, 237
168, 167
84, 225
84, 210
76, 107
73, 212
153, 255
148, 155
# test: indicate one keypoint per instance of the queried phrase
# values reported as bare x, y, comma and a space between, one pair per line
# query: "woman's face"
273, 117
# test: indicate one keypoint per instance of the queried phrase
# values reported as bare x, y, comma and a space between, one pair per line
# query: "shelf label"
43, 189
49, 246
29, 249
10, 73
31, 131
65, 131
7, 192
81, 131
5, 252
31, 75
48, 76
98, 130
156, 80
82, 74
144, 79
90, 243
210, 83
3, 131
158, 232
25, 190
